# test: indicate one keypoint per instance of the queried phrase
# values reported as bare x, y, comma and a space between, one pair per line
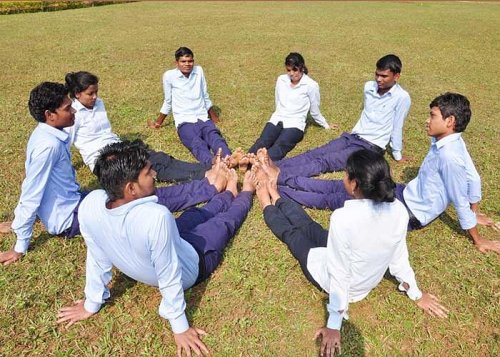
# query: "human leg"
191, 136
181, 196
267, 138
170, 169
285, 142
301, 237
213, 137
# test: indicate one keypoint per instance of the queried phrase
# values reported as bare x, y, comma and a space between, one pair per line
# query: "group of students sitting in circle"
129, 222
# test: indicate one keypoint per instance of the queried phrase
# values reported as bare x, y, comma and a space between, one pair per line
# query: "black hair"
454, 104
372, 175
183, 51
391, 62
46, 96
77, 82
295, 60
118, 164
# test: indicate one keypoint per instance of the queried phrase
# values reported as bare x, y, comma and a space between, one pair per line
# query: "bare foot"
243, 163
272, 187
268, 165
235, 157
252, 159
5, 227
211, 174
249, 182
483, 219
259, 172
218, 157
232, 182
221, 177
261, 191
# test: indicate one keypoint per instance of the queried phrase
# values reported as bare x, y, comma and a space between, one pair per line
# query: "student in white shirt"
92, 131
366, 237
49, 190
186, 96
386, 106
123, 226
296, 94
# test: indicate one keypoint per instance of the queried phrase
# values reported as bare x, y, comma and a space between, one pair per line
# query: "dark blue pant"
210, 228
277, 140
330, 157
203, 139
293, 226
74, 229
182, 196
169, 169
328, 194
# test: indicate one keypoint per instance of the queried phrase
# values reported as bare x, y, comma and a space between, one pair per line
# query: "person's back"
134, 237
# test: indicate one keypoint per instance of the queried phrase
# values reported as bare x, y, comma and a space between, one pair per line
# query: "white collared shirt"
49, 189
365, 238
383, 117
186, 97
91, 132
293, 103
447, 175
140, 239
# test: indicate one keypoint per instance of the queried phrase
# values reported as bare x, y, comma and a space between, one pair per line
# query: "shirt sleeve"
98, 275
314, 98
204, 88
400, 114
38, 171
454, 175
167, 92
168, 270
339, 272
473, 180
401, 269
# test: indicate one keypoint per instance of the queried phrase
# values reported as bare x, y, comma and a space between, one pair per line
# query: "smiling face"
62, 117
437, 126
185, 64
88, 97
294, 73
385, 79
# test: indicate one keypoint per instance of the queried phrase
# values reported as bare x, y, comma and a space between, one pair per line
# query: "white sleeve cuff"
397, 155
413, 292
22, 245
92, 307
334, 320
179, 324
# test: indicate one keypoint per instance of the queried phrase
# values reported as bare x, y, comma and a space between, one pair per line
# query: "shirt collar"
123, 209
374, 89
60, 134
181, 75
80, 107
302, 82
447, 139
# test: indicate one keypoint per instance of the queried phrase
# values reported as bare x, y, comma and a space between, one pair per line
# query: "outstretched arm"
400, 114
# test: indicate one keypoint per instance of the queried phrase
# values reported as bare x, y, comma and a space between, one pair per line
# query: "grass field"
257, 303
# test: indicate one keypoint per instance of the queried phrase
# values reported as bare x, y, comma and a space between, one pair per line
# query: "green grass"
257, 303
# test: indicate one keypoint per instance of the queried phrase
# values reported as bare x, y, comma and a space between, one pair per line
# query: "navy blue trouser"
293, 226
277, 140
169, 169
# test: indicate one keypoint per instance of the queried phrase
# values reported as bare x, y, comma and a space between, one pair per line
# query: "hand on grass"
190, 340
213, 115
430, 304
153, 124
9, 257
5, 227
485, 245
73, 313
330, 341
405, 159
332, 126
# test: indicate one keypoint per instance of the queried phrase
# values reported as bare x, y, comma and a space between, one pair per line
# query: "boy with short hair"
49, 190
153, 247
386, 106
186, 96
447, 175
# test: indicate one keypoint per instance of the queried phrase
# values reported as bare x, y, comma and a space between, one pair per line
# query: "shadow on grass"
452, 223
121, 283
133, 136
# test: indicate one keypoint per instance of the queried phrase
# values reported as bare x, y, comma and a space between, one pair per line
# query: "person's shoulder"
46, 138
401, 92
370, 86
169, 73
310, 82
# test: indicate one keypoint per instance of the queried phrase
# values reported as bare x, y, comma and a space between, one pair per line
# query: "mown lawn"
257, 303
